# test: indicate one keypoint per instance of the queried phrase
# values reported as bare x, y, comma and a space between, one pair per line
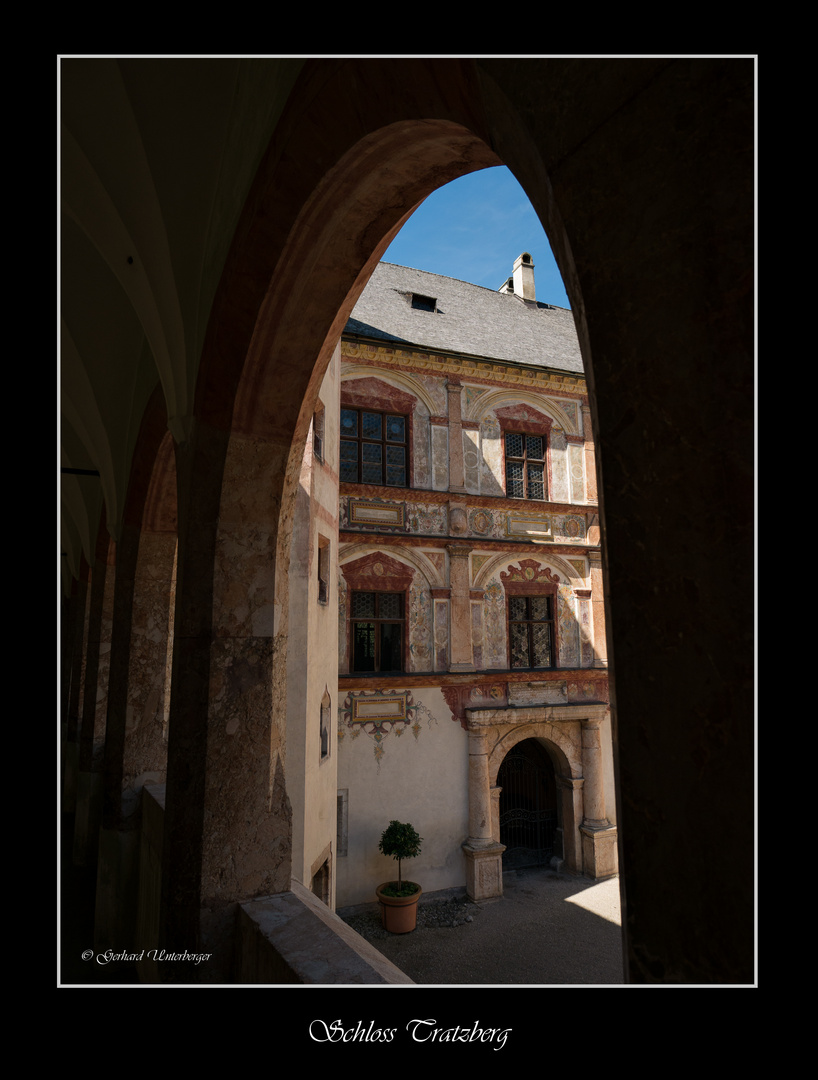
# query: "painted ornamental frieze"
418, 517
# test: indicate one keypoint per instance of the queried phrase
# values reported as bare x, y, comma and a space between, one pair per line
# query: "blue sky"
473, 229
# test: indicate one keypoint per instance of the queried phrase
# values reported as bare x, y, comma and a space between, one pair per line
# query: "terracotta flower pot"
398, 913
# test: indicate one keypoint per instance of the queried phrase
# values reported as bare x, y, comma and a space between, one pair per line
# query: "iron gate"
528, 806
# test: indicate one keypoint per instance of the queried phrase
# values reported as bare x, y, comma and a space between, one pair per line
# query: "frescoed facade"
220, 219
470, 616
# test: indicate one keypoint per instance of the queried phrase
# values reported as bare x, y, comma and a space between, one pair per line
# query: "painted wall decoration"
420, 626
481, 521
572, 526
494, 625
579, 566
377, 514
427, 518
586, 630
567, 628
379, 714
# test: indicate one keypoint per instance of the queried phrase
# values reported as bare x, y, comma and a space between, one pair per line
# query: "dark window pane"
514, 480
349, 422
534, 447
372, 451
519, 645
371, 474
536, 484
391, 659
371, 425
541, 644
516, 607
395, 455
396, 429
514, 445
540, 607
363, 605
389, 605
363, 646
395, 477
349, 450
349, 472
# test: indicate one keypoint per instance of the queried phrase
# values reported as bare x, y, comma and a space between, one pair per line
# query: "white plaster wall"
422, 780
313, 632
492, 479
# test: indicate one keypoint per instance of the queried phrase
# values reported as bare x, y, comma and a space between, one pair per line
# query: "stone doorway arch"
572, 733
529, 815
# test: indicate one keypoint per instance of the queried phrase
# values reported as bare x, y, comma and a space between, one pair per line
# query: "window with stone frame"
324, 569
324, 729
318, 432
525, 457
377, 631
531, 631
374, 448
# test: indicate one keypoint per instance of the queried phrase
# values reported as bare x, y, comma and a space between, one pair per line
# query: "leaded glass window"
531, 631
525, 466
377, 631
374, 448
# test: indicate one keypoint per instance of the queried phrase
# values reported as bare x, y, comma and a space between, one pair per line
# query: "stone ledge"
530, 714
293, 938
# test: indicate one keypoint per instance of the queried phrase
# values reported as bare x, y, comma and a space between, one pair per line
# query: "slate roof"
469, 319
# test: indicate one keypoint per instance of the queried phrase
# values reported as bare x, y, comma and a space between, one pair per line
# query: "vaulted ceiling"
156, 158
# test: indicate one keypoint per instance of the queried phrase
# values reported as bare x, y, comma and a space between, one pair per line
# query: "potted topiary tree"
399, 899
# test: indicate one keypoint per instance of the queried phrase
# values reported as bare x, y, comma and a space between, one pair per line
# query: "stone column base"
484, 869
600, 858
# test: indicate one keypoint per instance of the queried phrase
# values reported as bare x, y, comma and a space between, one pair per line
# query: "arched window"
326, 707
531, 613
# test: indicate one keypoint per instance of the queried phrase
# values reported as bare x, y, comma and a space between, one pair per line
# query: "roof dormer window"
423, 303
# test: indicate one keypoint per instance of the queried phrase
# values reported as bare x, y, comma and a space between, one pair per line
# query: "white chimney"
524, 277
522, 283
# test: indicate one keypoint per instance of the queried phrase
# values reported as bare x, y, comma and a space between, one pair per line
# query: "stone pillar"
457, 469
590, 456
571, 794
77, 610
145, 749
598, 610
496, 792
89, 782
461, 658
228, 831
598, 835
118, 866
484, 868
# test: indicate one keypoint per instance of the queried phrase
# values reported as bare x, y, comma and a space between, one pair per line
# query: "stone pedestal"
599, 851
484, 869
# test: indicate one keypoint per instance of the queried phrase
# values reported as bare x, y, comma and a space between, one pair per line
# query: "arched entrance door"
528, 806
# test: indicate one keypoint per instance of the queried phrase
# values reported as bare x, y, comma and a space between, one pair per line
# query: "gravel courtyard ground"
548, 929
